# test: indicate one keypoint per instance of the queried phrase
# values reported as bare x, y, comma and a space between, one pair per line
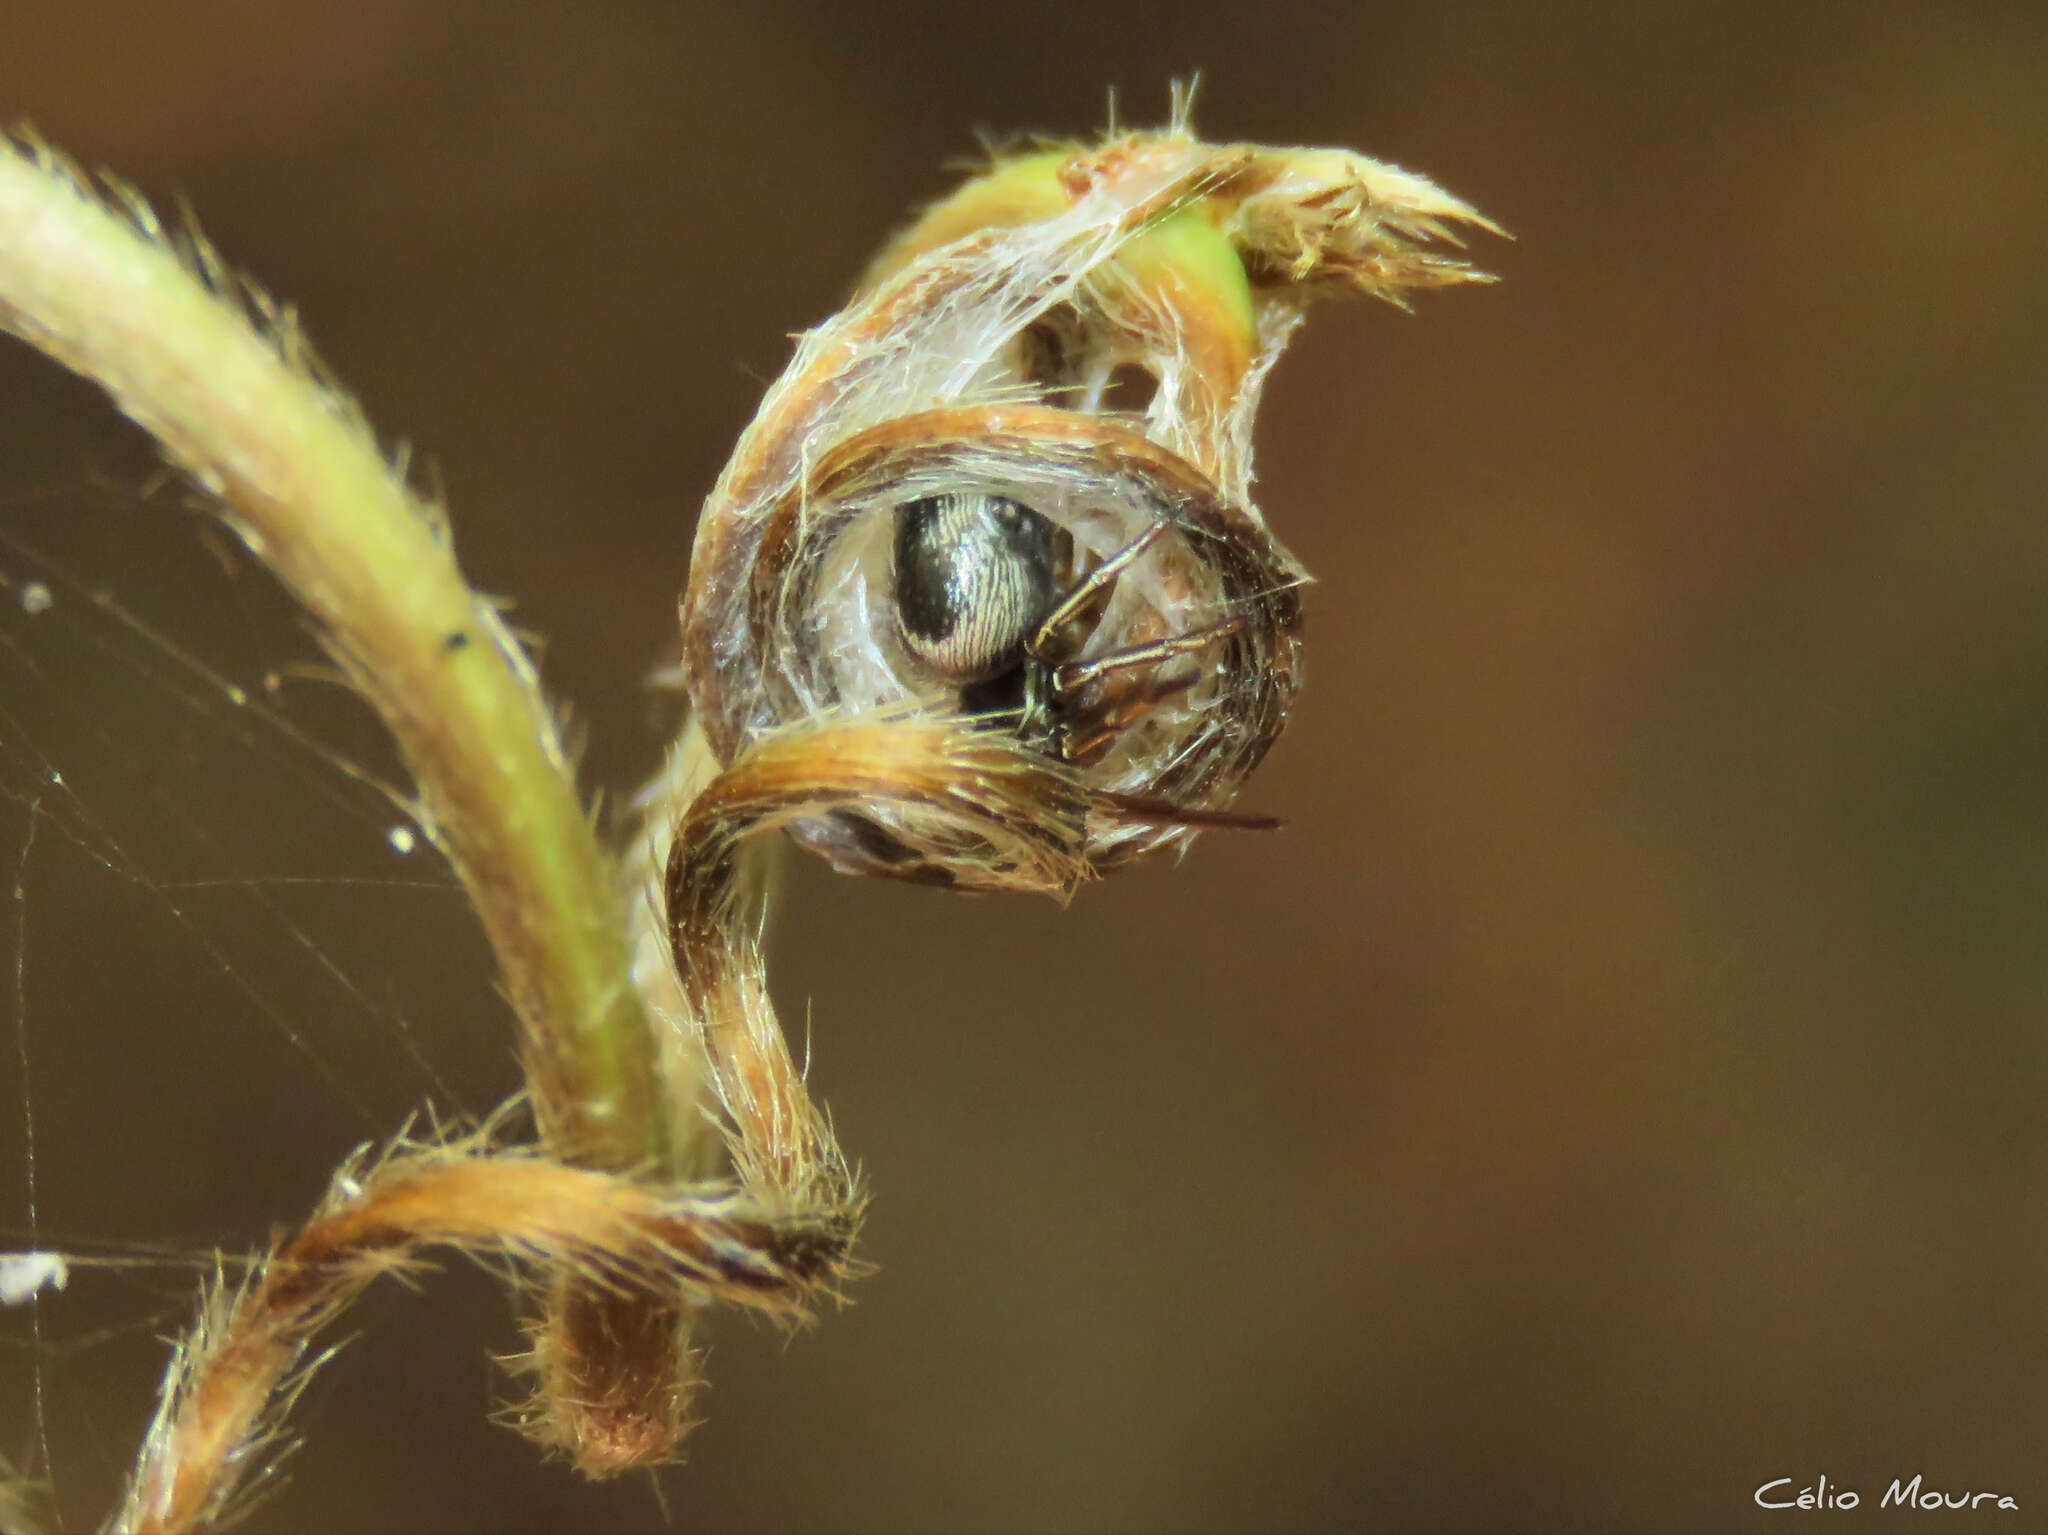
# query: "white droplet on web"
35, 598
23, 1274
402, 839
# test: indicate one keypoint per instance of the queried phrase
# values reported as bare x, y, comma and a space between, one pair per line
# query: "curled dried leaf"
956, 502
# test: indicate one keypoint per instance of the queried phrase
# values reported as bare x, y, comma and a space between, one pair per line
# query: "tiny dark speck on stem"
459, 640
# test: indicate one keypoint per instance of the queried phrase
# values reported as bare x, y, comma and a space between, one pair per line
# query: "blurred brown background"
1618, 1088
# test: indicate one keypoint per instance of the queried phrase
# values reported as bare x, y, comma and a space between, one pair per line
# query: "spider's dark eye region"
975, 574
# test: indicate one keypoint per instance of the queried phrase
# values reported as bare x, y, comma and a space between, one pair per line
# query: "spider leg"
1073, 675
1085, 590
1083, 750
1161, 812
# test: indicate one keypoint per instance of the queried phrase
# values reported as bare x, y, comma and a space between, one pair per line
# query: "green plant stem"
240, 407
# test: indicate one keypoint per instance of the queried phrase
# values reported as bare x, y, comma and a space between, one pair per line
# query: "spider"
978, 601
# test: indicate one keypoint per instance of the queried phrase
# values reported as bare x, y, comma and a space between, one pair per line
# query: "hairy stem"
1023, 811
621, 1239
242, 409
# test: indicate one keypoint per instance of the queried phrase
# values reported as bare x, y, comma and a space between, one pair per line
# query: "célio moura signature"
1901, 1494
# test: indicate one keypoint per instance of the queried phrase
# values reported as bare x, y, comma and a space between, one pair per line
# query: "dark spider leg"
1073, 675
1085, 590
1160, 812
1068, 677
1083, 751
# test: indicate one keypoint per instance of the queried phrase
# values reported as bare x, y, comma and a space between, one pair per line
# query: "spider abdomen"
975, 576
